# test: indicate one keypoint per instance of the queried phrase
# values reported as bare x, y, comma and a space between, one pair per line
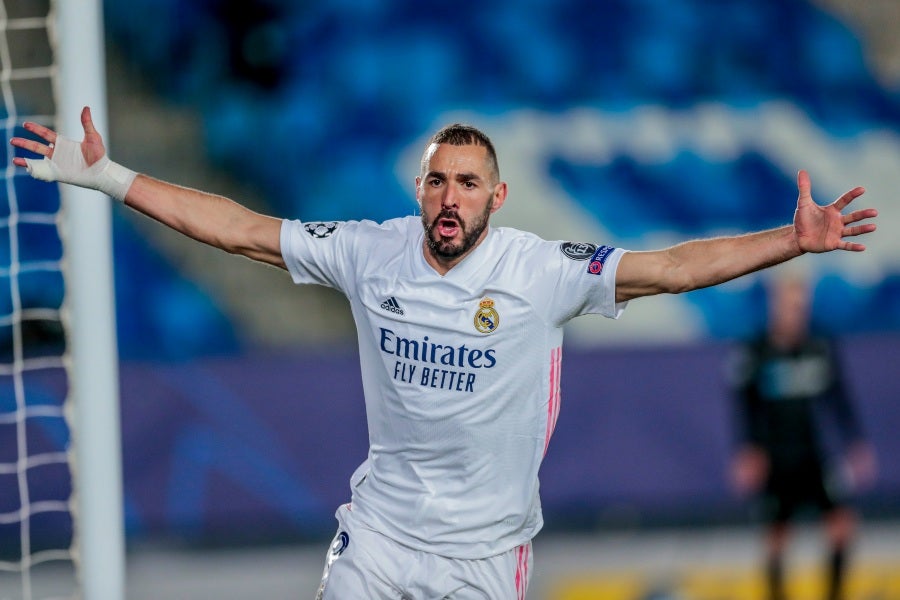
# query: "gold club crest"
487, 320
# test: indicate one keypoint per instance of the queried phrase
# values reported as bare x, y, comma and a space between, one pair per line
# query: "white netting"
37, 558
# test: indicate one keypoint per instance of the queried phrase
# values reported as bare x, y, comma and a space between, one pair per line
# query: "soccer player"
460, 334
792, 405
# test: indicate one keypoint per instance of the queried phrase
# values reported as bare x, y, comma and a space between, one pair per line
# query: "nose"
449, 199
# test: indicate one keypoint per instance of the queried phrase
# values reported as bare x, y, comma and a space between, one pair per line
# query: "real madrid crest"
487, 320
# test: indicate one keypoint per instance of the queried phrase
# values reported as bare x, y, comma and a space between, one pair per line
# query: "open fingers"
33, 146
855, 230
42, 149
852, 247
848, 197
859, 215
39, 130
858, 230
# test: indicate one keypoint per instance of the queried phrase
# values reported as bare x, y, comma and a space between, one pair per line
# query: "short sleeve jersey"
460, 372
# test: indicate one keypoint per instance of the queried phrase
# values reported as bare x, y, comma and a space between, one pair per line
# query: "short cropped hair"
458, 134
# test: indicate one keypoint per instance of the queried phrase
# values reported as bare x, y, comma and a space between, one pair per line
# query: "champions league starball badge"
487, 320
320, 230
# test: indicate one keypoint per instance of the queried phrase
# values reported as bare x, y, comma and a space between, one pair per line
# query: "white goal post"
61, 502
90, 315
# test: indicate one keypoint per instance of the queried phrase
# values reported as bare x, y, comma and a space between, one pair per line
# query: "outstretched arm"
702, 263
208, 218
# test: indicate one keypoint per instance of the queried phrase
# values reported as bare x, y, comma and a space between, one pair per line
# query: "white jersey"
461, 372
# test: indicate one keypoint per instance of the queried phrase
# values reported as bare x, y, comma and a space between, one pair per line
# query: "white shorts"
362, 564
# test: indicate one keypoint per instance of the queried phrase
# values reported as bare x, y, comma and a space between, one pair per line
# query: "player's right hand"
84, 164
63, 159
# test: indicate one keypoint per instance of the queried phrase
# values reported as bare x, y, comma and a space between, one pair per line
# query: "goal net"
35, 480
43, 524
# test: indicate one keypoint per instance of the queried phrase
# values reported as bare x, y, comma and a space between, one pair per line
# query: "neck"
443, 264
440, 264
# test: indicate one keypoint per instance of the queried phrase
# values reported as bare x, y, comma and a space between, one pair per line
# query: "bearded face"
457, 192
449, 236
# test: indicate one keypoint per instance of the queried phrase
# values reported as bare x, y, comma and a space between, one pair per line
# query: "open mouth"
447, 227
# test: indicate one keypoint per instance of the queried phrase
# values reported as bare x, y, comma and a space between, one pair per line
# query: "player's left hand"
823, 228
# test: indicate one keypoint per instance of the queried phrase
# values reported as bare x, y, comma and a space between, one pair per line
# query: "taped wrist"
68, 166
114, 179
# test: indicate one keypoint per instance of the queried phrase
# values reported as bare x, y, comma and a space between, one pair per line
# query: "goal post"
61, 506
89, 314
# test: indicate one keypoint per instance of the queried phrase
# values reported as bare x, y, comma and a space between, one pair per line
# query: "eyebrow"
468, 177
459, 177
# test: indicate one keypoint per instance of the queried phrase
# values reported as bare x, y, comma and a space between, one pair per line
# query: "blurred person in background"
800, 441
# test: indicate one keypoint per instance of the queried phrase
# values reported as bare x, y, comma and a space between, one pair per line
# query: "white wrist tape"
68, 166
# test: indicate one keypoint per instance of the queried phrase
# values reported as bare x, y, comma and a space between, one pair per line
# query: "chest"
491, 310
793, 377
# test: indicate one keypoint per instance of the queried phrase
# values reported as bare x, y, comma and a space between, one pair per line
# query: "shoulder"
508, 238
400, 227
357, 229
573, 258
513, 235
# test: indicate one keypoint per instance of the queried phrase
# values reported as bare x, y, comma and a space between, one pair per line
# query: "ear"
500, 191
419, 191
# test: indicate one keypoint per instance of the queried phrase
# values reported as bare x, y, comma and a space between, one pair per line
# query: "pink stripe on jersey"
553, 399
522, 553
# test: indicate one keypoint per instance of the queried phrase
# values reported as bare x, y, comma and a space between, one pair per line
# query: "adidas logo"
392, 305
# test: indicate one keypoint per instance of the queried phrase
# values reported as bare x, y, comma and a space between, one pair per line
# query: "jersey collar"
467, 266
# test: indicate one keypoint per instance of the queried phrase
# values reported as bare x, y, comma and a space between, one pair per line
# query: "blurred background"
631, 123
